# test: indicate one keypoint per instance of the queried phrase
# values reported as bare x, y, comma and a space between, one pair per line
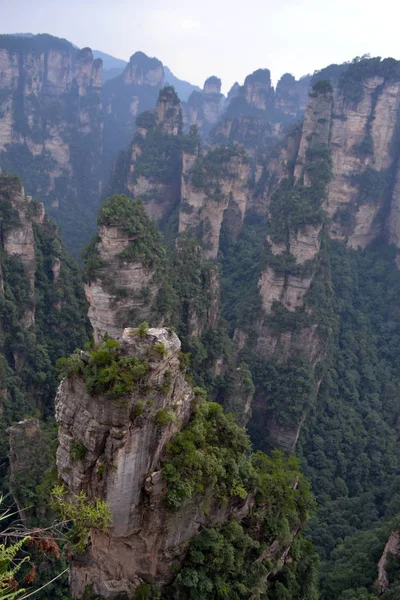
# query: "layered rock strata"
50, 123
122, 452
151, 168
204, 108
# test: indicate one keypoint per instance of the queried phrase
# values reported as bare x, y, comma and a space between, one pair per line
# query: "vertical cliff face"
51, 126
42, 317
123, 448
214, 188
123, 265
343, 183
363, 154
151, 167
291, 95
289, 333
259, 117
203, 109
130, 456
17, 234
124, 98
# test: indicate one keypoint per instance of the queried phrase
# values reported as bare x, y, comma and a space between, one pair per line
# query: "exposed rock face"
114, 296
145, 538
134, 91
392, 547
151, 169
258, 90
360, 139
257, 116
204, 108
50, 123
17, 238
372, 120
221, 193
291, 96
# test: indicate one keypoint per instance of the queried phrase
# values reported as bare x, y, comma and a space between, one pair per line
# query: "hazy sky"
227, 38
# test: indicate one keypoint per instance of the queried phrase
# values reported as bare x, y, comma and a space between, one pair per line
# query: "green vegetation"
28, 354
160, 158
240, 267
40, 43
349, 445
322, 86
83, 514
208, 456
372, 186
143, 329
351, 79
212, 167
211, 457
224, 562
295, 206
129, 215
77, 451
146, 119
105, 370
165, 416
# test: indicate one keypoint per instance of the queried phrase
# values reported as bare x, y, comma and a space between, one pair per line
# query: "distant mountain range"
114, 66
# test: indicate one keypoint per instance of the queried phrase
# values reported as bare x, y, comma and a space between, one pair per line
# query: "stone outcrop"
392, 547
123, 290
50, 123
258, 116
122, 444
151, 169
124, 98
291, 95
221, 193
204, 108
123, 447
374, 121
17, 238
358, 139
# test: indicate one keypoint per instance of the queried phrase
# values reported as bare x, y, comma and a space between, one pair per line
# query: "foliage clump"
322, 86
130, 216
212, 455
350, 81
295, 206
211, 168
105, 370
82, 513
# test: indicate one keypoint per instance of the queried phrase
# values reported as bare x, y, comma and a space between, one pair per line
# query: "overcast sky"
227, 38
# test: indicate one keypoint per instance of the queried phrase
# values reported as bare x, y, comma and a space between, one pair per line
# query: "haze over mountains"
241, 254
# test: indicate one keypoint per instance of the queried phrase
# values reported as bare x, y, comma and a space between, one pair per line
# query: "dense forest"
262, 231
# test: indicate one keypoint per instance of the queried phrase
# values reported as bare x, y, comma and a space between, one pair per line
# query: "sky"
227, 38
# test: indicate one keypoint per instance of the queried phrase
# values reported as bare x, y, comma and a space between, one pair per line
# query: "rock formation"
122, 285
121, 447
204, 108
17, 238
291, 96
151, 168
51, 125
392, 547
42, 317
124, 98
144, 538
214, 189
